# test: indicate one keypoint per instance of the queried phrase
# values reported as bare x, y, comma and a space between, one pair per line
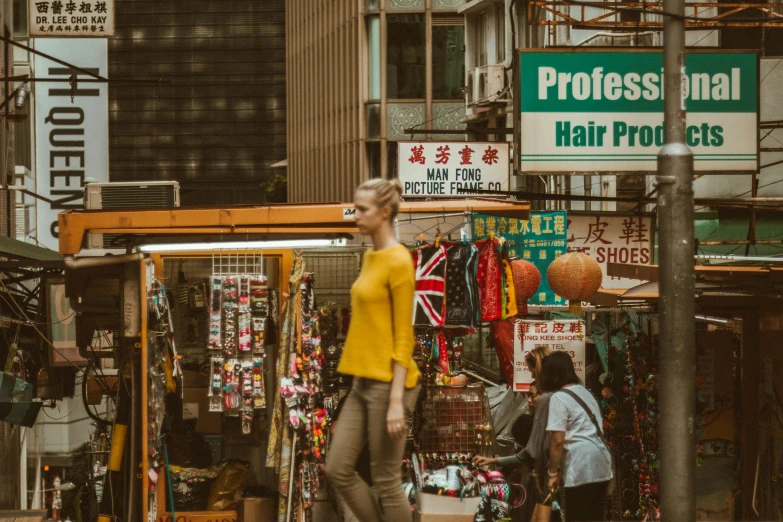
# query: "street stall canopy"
711, 280
300, 220
20, 254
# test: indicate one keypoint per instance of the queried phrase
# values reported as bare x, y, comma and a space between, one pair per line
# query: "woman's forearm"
556, 451
400, 373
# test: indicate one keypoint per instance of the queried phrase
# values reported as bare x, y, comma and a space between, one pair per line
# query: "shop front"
228, 334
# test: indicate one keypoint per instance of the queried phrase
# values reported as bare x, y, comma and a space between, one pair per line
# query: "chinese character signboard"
603, 111
437, 169
57, 18
613, 239
555, 335
72, 129
540, 240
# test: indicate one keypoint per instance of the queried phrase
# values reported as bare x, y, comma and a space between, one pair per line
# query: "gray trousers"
363, 421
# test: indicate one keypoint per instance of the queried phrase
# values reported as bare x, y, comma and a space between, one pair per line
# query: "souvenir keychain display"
259, 317
243, 316
302, 392
629, 408
229, 309
162, 352
238, 317
215, 314
215, 393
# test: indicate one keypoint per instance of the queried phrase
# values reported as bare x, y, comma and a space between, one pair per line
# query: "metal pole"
677, 287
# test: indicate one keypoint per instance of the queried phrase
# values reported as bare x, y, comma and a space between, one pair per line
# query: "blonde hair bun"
397, 185
387, 193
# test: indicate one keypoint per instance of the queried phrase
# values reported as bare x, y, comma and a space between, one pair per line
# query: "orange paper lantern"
576, 277
527, 279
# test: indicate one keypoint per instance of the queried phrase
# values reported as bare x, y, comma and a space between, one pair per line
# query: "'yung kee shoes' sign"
603, 111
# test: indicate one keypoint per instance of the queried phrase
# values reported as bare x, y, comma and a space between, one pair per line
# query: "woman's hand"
483, 462
555, 481
395, 419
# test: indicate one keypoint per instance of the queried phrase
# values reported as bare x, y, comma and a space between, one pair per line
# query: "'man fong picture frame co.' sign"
603, 110
441, 169
79, 18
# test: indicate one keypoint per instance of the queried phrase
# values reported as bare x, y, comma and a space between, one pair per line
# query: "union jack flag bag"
429, 307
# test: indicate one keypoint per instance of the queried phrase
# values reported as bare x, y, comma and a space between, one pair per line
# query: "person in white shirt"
579, 460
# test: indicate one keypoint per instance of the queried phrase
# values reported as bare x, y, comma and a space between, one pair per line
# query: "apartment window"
480, 37
374, 55
500, 34
373, 120
20, 18
405, 58
448, 61
374, 158
391, 160
372, 5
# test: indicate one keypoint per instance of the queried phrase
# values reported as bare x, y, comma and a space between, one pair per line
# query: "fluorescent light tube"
244, 245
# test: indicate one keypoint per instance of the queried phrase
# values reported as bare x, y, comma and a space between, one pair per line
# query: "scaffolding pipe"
677, 284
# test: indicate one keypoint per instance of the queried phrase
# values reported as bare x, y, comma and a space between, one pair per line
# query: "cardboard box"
195, 405
435, 508
96, 390
256, 509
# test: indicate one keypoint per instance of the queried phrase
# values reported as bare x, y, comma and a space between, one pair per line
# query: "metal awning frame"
725, 281
289, 220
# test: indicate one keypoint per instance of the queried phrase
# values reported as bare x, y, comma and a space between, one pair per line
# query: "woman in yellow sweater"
379, 354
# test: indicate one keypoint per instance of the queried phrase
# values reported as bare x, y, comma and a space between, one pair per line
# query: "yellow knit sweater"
381, 331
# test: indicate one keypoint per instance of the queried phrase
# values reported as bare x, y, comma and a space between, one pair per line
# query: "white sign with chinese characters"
440, 169
71, 129
555, 335
82, 18
613, 239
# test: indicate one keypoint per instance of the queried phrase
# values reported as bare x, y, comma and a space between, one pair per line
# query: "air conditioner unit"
485, 84
127, 195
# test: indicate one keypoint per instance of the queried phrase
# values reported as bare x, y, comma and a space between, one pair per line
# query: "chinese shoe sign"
82, 18
555, 335
613, 239
539, 240
440, 169
603, 111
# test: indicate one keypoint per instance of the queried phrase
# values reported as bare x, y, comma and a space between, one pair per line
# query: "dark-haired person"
520, 430
578, 458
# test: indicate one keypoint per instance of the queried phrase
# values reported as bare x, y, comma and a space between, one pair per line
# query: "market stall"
249, 316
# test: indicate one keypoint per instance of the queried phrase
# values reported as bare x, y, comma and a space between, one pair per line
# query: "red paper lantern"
527, 279
576, 277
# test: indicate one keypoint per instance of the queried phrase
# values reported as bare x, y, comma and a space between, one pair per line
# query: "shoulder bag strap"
589, 412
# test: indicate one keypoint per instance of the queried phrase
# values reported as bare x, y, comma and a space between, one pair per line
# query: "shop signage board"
555, 335
540, 240
603, 111
60, 18
441, 168
613, 239
72, 134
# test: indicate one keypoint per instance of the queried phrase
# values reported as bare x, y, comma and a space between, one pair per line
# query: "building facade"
216, 121
361, 75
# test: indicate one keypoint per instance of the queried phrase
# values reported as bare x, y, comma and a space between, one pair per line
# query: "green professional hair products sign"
603, 111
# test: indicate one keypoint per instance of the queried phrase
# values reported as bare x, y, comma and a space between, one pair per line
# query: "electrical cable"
35, 327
